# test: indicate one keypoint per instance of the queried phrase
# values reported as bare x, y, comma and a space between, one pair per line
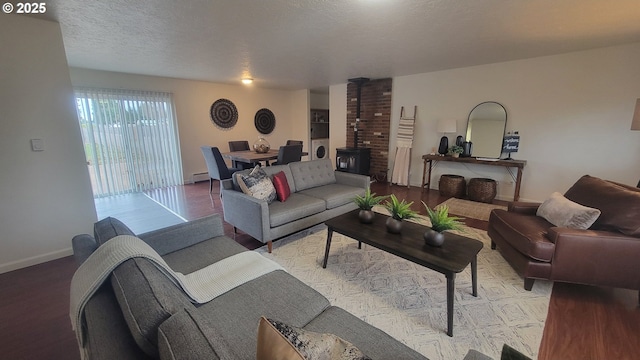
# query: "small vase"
366, 216
433, 238
261, 146
394, 226
455, 155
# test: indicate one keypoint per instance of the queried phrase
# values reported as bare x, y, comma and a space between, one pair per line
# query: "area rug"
471, 209
408, 301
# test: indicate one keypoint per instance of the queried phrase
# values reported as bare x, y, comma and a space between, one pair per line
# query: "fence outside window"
130, 140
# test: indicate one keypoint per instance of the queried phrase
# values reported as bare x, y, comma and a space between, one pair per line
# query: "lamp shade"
635, 123
447, 126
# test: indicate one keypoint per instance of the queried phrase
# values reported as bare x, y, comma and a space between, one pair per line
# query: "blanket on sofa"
201, 286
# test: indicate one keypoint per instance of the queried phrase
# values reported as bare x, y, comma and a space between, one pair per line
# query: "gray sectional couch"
318, 193
138, 313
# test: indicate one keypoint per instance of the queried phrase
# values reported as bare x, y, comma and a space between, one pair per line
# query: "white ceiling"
298, 44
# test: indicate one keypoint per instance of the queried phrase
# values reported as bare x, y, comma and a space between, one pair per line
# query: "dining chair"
294, 142
288, 154
240, 145
216, 166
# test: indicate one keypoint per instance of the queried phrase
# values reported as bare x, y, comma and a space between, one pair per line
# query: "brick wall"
375, 118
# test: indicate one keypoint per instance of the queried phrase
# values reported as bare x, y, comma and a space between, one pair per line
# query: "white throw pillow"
258, 185
563, 212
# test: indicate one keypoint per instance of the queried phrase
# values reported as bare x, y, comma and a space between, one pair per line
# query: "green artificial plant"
400, 210
455, 149
440, 219
368, 201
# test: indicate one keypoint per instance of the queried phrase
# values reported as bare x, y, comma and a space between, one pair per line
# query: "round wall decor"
224, 113
265, 121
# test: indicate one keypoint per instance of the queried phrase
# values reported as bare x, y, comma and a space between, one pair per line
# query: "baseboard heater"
198, 177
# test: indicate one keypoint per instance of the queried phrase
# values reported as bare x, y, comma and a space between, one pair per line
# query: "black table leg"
451, 280
326, 250
474, 275
359, 244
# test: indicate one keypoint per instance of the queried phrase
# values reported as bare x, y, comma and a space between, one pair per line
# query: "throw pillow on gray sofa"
258, 185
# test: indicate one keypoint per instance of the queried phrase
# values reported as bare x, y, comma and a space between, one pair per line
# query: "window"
130, 140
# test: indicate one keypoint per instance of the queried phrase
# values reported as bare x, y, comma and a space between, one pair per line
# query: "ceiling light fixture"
247, 81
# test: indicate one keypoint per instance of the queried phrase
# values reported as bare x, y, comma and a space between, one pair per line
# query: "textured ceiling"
297, 44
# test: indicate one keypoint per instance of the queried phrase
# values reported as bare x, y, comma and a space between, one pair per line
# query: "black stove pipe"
358, 81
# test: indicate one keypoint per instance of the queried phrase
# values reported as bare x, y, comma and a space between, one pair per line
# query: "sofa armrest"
523, 207
246, 213
180, 236
595, 257
83, 246
356, 180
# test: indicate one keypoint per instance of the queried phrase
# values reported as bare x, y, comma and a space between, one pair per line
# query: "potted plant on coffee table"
365, 204
440, 221
399, 210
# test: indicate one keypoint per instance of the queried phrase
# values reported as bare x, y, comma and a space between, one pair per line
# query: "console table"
432, 160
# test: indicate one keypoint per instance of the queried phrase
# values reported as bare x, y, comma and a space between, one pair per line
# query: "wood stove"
355, 160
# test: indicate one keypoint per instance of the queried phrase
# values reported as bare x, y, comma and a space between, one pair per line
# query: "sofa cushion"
109, 228
297, 207
276, 295
309, 174
282, 186
257, 184
619, 205
334, 195
277, 340
369, 339
272, 170
147, 298
202, 254
563, 212
189, 335
526, 233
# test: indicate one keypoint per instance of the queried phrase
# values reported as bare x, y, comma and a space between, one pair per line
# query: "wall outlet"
37, 145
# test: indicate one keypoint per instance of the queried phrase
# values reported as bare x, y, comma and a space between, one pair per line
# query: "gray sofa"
318, 193
138, 313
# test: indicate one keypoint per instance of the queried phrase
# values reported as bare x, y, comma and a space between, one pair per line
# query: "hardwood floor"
584, 322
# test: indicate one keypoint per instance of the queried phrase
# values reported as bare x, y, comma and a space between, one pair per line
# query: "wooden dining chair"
240, 145
288, 154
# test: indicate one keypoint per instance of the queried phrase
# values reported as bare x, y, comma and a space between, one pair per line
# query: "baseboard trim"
34, 260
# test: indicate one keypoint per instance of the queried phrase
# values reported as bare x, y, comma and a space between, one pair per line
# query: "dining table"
250, 156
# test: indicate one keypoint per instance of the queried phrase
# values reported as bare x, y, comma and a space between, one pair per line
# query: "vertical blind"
130, 140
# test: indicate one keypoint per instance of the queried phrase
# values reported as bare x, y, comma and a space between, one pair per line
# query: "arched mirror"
485, 129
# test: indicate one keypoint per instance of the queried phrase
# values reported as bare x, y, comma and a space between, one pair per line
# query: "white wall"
337, 118
45, 197
193, 100
573, 112
319, 101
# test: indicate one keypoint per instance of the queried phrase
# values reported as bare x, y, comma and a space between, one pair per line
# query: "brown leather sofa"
606, 254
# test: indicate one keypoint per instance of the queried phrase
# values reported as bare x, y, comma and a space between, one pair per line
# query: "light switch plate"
37, 145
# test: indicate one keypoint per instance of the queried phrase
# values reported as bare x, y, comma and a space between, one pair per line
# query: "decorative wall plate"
224, 113
265, 121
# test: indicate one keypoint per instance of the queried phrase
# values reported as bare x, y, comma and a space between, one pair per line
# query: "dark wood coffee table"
451, 258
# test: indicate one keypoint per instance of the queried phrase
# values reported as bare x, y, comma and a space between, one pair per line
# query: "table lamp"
446, 126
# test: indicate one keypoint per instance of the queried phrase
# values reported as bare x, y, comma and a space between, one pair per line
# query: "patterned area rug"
471, 209
408, 301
